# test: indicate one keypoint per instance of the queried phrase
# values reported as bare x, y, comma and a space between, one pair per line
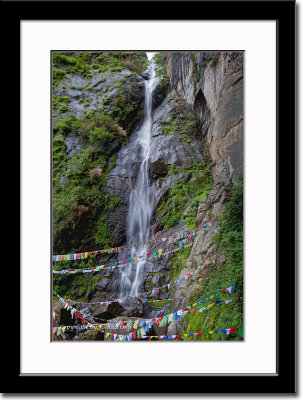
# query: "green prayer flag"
164, 321
240, 329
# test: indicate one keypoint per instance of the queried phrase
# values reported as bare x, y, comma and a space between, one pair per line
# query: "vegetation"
161, 71
230, 240
85, 62
187, 193
79, 201
61, 103
76, 286
186, 126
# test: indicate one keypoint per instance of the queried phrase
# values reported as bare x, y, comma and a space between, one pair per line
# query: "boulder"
91, 336
130, 312
108, 311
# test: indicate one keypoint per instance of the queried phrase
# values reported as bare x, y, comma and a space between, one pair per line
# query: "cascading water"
141, 197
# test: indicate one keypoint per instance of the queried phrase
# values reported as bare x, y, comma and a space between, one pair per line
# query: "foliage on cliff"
186, 194
79, 200
83, 62
230, 240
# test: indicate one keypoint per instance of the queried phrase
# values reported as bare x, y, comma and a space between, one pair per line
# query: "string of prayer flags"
171, 238
169, 285
138, 335
118, 264
147, 324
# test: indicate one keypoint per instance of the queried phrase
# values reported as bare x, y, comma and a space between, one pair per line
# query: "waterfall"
141, 198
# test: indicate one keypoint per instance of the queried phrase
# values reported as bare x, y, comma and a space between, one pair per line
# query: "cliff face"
196, 155
212, 84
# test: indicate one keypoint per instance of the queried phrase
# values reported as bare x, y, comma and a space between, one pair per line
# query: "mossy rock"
91, 336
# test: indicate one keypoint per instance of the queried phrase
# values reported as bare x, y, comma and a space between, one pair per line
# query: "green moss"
171, 127
59, 151
75, 285
230, 237
103, 234
84, 62
188, 192
61, 103
159, 61
113, 163
79, 206
230, 240
159, 303
177, 266
58, 76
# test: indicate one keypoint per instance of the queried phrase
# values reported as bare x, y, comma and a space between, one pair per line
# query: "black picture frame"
284, 381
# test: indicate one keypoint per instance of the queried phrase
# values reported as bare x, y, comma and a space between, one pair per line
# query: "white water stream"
141, 197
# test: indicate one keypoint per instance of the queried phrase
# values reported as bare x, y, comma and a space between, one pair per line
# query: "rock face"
100, 91
212, 84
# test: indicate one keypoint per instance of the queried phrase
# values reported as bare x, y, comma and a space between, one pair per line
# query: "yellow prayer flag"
211, 332
160, 251
102, 266
86, 254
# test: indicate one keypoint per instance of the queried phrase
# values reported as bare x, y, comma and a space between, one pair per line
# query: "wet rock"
145, 75
108, 311
158, 168
130, 312
102, 284
160, 92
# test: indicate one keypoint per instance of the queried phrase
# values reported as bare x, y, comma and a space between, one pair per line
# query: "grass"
186, 192
80, 206
229, 240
